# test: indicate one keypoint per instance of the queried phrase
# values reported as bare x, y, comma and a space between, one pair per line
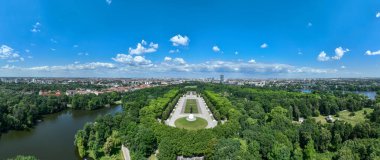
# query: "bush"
352, 114
23, 158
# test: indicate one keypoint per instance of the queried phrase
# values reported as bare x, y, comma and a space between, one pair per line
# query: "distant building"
329, 119
71, 92
221, 78
301, 119
49, 93
189, 158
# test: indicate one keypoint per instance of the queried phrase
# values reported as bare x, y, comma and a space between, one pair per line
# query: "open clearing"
191, 106
199, 123
345, 116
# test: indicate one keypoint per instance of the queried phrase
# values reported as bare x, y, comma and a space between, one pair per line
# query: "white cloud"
236, 52
309, 24
299, 52
9, 54
370, 53
53, 49
378, 15
142, 48
75, 46
36, 27
236, 67
130, 60
252, 61
109, 2
179, 61
8, 67
323, 57
27, 50
52, 40
216, 49
264, 45
178, 40
167, 59
73, 67
339, 53
139, 66
174, 51
83, 54
343, 67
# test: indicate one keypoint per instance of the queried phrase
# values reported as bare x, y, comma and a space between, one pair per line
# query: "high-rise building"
221, 78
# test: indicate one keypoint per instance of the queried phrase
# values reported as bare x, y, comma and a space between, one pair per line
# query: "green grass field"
199, 123
191, 87
191, 106
345, 116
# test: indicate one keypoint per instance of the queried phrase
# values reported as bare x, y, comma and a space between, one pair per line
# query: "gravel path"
125, 151
204, 112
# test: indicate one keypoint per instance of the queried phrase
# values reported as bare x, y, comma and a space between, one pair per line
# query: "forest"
21, 106
260, 123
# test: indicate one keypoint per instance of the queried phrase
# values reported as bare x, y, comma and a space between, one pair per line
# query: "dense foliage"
259, 124
21, 106
23, 158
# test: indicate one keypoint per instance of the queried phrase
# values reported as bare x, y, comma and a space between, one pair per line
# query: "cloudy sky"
190, 38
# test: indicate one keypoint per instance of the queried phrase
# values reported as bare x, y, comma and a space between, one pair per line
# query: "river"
53, 138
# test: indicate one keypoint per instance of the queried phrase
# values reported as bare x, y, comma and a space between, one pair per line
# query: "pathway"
125, 151
204, 111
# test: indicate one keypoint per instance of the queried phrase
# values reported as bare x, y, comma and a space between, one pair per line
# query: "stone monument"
191, 118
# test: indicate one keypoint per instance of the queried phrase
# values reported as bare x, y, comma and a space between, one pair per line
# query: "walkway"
125, 151
204, 111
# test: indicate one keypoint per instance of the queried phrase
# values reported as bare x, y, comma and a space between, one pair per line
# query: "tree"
227, 149
309, 151
112, 143
297, 152
254, 150
279, 151
346, 153
23, 158
80, 142
324, 140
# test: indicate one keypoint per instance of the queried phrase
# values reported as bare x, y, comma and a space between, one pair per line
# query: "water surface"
370, 94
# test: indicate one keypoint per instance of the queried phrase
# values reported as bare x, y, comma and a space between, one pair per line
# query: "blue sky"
190, 38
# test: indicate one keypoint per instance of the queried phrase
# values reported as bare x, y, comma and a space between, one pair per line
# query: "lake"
370, 94
53, 138
306, 90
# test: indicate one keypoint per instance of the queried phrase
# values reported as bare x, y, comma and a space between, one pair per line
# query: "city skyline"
197, 39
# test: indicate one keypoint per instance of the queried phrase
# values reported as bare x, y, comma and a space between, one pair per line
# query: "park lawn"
345, 116
118, 102
321, 119
199, 123
153, 157
191, 106
191, 87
